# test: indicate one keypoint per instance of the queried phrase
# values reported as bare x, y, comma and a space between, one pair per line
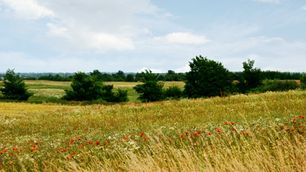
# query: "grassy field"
52, 91
264, 132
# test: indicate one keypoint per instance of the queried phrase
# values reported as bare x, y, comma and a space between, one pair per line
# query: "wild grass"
262, 132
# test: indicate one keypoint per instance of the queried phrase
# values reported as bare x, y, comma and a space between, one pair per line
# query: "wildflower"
3, 151
71, 142
209, 133
219, 130
34, 148
301, 117
62, 150
90, 142
126, 138
196, 134
70, 156
229, 123
15, 149
97, 142
183, 135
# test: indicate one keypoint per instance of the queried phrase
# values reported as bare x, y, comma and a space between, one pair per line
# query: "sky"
161, 35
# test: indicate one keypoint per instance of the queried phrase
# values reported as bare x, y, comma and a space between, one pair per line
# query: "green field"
52, 91
260, 132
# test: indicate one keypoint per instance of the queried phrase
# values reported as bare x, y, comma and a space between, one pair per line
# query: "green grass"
52, 91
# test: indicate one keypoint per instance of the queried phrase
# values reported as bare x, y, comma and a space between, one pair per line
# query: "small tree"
303, 82
84, 87
252, 77
14, 87
207, 78
151, 89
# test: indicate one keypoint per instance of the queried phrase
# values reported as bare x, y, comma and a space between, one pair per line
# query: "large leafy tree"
14, 87
206, 78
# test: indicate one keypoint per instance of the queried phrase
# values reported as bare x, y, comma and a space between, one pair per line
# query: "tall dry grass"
264, 132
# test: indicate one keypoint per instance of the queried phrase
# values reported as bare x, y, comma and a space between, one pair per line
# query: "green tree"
14, 87
303, 82
251, 77
151, 89
207, 78
84, 87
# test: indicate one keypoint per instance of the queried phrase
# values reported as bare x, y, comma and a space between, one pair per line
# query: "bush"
151, 89
207, 78
14, 87
278, 85
173, 92
303, 82
87, 88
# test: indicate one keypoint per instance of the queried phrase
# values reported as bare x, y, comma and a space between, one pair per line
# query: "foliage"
251, 77
151, 89
173, 92
277, 85
84, 87
207, 78
14, 87
88, 87
303, 81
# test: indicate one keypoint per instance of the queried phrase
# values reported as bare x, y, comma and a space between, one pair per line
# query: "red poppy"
219, 130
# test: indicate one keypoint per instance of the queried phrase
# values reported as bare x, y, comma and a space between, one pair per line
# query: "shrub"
173, 92
278, 85
207, 78
120, 96
151, 89
87, 88
14, 87
303, 82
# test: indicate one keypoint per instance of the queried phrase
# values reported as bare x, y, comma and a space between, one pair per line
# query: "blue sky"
133, 35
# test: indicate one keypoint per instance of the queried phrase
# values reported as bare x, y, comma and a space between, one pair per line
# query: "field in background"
262, 132
52, 91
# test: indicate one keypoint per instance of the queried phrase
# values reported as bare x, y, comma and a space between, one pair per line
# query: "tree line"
170, 75
206, 78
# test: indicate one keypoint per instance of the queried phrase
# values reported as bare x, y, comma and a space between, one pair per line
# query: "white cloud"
29, 9
183, 38
99, 25
269, 1
86, 39
304, 8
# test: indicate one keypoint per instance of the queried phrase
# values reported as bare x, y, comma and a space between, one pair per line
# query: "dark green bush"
151, 89
303, 82
88, 88
277, 85
173, 92
14, 87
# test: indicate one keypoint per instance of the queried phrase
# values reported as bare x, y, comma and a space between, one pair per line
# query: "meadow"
257, 132
52, 91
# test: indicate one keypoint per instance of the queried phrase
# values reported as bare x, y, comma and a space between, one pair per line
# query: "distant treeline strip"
134, 77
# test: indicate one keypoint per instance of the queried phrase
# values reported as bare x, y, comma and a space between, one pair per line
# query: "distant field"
262, 132
51, 91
